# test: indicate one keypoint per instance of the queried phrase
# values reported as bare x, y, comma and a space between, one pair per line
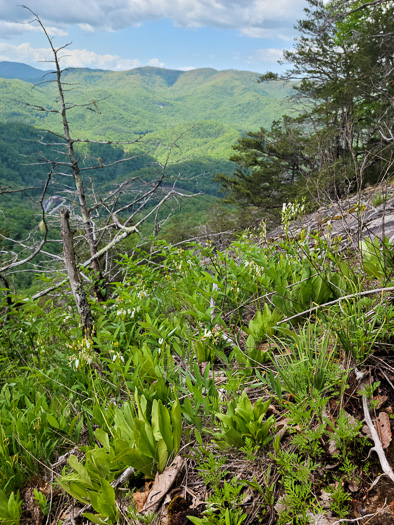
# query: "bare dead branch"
378, 445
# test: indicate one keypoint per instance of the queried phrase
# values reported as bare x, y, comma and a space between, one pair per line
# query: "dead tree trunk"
78, 291
85, 212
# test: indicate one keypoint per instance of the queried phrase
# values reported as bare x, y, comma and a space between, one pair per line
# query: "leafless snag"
74, 276
92, 225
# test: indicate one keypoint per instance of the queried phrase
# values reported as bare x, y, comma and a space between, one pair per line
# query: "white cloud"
261, 56
155, 62
55, 31
71, 57
245, 15
86, 27
260, 32
186, 68
10, 29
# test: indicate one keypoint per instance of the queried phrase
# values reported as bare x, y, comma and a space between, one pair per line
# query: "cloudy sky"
176, 34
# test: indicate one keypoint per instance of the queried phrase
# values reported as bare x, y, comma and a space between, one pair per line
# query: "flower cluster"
123, 312
116, 356
233, 287
83, 353
254, 269
212, 336
142, 294
263, 231
290, 212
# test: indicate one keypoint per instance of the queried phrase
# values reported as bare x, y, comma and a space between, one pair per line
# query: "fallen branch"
351, 296
355, 520
378, 445
63, 459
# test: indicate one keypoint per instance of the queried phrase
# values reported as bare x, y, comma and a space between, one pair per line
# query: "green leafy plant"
244, 423
379, 199
295, 465
210, 469
153, 435
224, 506
377, 257
261, 327
358, 330
136, 517
273, 382
267, 491
298, 502
144, 441
202, 396
299, 498
308, 367
339, 505
309, 285
41, 501
345, 432
10, 508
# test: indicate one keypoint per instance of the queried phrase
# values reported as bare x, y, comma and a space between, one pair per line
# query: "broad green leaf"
96, 518
233, 438
98, 463
141, 463
142, 404
162, 455
53, 421
81, 470
176, 417
95, 498
161, 424
107, 500
76, 490
145, 441
198, 437
260, 408
103, 438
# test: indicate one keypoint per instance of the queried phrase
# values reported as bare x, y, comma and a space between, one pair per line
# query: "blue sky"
176, 34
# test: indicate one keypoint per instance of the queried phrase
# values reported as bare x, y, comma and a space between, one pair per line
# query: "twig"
354, 520
63, 459
378, 445
351, 296
50, 502
212, 303
123, 477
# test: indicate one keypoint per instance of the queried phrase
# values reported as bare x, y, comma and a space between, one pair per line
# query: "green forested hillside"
198, 115
24, 170
218, 105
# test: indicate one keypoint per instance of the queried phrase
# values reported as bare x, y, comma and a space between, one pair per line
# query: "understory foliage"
220, 357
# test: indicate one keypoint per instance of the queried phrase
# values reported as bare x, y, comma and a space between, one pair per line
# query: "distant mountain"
20, 71
208, 109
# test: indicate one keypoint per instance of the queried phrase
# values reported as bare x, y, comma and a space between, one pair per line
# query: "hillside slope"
226, 383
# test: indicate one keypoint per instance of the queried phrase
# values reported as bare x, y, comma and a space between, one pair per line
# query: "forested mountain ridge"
203, 111
20, 71
216, 106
